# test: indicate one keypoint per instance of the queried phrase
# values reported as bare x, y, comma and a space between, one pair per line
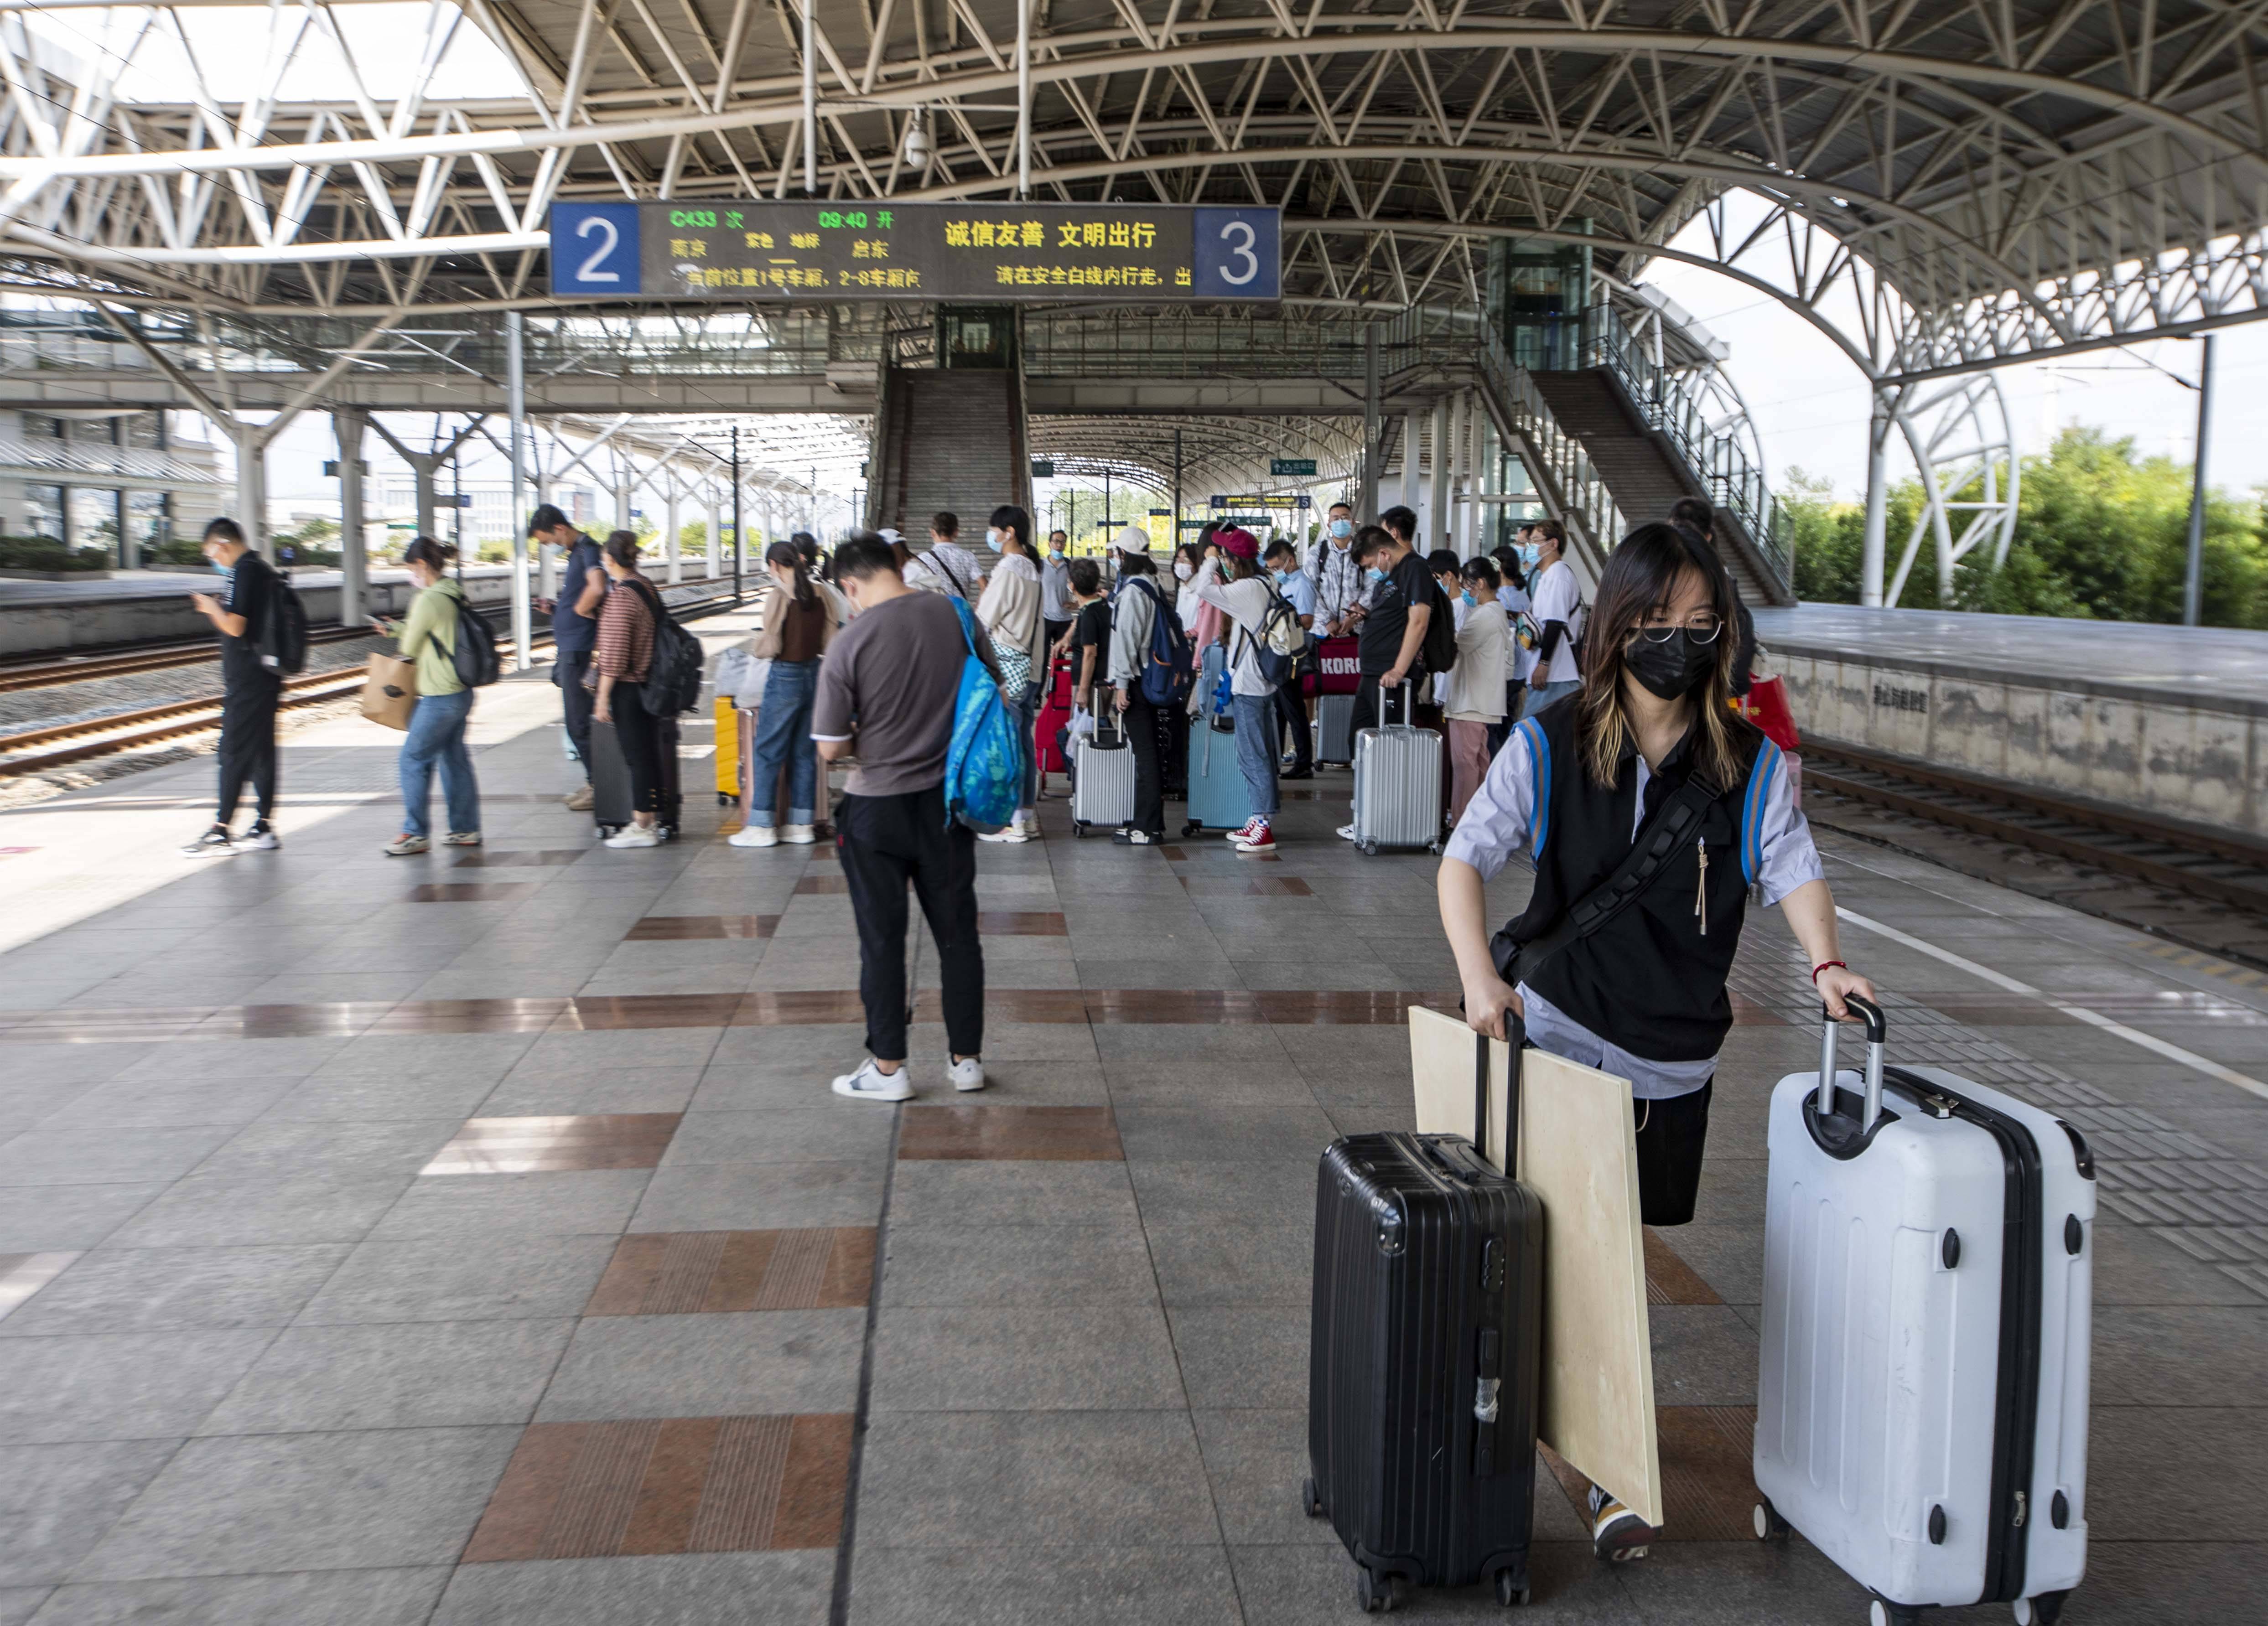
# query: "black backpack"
672, 682
475, 651
283, 640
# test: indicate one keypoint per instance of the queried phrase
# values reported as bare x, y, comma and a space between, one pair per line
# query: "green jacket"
429, 637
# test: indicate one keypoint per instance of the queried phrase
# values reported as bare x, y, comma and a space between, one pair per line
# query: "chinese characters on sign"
807, 251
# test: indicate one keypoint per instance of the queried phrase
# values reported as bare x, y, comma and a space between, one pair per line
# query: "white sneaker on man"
1005, 833
1346, 832
797, 835
870, 1083
214, 843
261, 837
407, 846
753, 835
967, 1072
462, 838
634, 836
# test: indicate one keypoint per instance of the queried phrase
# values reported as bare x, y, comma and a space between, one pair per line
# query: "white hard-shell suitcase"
1334, 728
1397, 785
1922, 1398
1102, 773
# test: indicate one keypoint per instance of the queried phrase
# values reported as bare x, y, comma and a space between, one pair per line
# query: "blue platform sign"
594, 249
1239, 253
813, 251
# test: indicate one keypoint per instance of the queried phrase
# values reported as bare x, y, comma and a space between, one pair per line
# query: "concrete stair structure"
949, 439
1640, 465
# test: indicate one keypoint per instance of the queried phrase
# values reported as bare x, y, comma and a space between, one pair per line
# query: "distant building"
122, 480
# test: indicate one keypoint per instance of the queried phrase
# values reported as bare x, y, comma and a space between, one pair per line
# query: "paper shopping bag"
389, 694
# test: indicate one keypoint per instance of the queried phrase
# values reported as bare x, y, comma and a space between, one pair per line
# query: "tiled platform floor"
376, 1252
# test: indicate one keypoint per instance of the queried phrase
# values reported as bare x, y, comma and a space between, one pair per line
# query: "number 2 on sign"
1243, 249
589, 271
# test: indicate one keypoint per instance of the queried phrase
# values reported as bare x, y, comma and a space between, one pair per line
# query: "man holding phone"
574, 629
251, 685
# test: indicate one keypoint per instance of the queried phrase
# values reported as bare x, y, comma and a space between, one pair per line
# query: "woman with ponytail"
1584, 790
798, 621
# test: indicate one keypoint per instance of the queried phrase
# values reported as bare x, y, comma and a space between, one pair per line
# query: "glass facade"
1539, 291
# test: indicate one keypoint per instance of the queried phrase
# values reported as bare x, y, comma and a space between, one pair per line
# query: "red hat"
1243, 544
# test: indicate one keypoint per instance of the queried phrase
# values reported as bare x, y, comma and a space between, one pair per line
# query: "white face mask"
1181, 571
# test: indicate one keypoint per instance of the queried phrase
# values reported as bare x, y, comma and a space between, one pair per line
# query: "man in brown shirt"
886, 690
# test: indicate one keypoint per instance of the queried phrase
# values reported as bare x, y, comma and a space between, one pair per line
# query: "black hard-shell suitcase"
1424, 1364
610, 779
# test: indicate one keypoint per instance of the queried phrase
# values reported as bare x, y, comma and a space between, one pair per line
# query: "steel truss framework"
2022, 178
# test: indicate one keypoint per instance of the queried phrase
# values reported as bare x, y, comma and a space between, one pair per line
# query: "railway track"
2224, 869
46, 673
42, 749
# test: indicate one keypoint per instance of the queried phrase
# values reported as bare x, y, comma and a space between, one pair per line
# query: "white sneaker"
870, 1083
1346, 832
462, 838
753, 835
407, 846
214, 843
634, 836
261, 837
797, 835
1005, 833
967, 1074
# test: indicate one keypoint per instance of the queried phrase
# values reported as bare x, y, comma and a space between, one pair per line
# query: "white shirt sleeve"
1496, 821
1787, 857
1557, 596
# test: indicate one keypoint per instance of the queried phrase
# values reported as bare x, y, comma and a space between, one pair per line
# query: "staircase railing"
1582, 492
1670, 405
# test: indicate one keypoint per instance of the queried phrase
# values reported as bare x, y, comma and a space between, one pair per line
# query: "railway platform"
473, 1238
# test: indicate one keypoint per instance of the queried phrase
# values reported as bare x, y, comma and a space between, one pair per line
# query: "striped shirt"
625, 646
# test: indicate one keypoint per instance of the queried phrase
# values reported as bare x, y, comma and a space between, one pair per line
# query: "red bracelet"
1822, 966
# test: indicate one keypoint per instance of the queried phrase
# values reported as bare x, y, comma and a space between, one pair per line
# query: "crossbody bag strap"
1517, 962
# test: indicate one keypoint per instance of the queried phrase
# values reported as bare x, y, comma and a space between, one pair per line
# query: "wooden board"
1577, 1151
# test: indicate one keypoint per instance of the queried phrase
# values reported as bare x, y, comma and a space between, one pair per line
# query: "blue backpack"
984, 767
1170, 673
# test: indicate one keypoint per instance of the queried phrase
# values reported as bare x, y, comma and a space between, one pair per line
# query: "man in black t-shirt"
251, 685
574, 630
1397, 604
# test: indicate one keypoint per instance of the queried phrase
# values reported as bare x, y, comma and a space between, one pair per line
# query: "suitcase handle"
1877, 1035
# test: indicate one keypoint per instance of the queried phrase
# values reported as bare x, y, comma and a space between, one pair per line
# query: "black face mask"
1670, 668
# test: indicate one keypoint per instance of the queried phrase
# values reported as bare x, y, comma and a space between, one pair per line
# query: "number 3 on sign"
594, 248
1237, 256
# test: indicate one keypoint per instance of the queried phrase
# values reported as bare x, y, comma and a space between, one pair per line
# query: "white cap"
1131, 539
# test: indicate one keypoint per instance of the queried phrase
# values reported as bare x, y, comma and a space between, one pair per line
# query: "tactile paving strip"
2150, 1172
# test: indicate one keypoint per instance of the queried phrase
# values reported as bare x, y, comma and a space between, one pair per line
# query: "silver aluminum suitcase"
1334, 728
1397, 784
1922, 1401
1102, 773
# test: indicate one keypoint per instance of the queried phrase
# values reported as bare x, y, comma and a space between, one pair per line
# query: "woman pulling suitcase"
1647, 808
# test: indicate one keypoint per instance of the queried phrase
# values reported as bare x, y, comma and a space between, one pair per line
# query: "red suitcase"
1339, 663
1055, 716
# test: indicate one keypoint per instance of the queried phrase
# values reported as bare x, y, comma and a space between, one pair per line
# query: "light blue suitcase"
1218, 799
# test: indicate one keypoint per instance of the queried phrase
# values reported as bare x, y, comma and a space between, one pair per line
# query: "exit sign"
1278, 466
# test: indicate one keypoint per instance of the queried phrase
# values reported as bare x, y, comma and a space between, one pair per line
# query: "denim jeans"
436, 734
1539, 698
1255, 749
784, 735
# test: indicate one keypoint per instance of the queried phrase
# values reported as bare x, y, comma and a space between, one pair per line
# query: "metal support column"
1412, 438
1176, 539
740, 531
1435, 530
346, 426
716, 541
515, 383
1024, 99
251, 484
669, 548
1878, 497
2193, 581
1365, 504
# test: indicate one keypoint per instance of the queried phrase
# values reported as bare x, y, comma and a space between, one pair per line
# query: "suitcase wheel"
1369, 848
1192, 827
1510, 1588
1769, 1525
2044, 1610
1883, 1613
1311, 1498
1378, 1595
724, 800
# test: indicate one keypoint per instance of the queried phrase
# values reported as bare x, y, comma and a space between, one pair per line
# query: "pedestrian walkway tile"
471, 891
659, 1485
710, 1272
968, 1132
687, 928
552, 1145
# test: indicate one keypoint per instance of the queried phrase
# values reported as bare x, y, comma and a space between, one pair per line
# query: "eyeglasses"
1702, 627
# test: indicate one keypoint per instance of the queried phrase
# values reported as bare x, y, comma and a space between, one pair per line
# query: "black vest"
1651, 979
